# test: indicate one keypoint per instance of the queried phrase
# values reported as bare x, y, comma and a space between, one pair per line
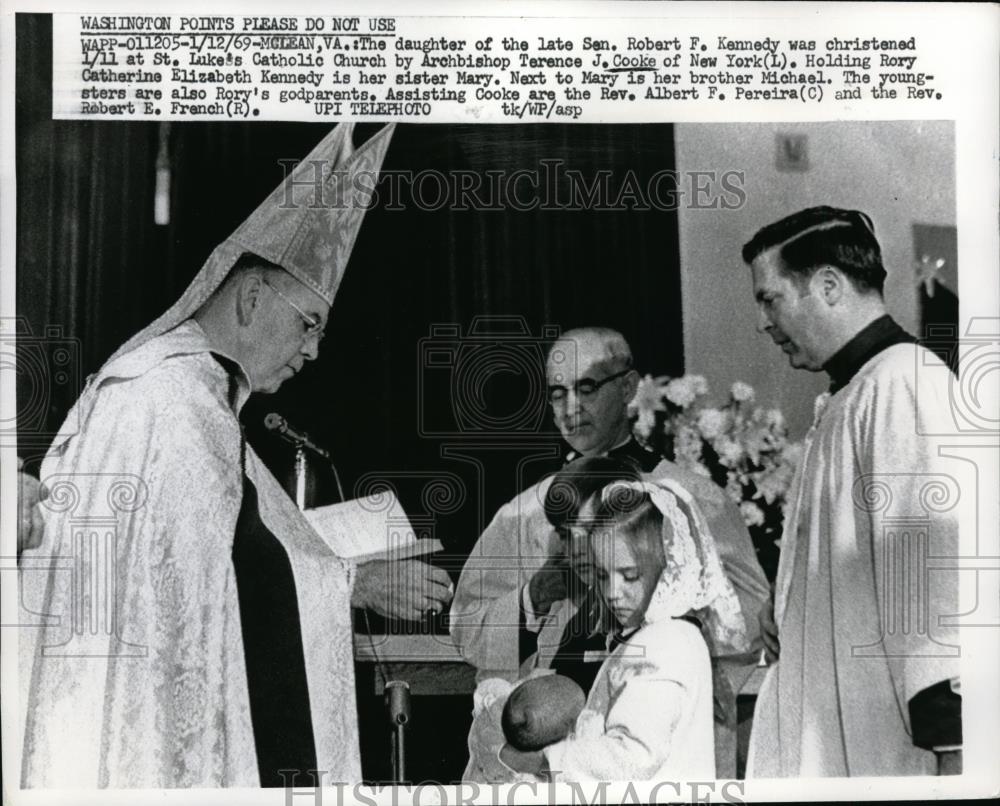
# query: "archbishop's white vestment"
138, 677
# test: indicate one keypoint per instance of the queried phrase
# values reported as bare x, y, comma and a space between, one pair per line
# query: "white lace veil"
693, 579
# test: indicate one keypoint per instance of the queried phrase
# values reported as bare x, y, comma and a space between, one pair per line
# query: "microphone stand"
302, 443
301, 470
397, 692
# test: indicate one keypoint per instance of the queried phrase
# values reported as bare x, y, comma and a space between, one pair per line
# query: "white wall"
899, 172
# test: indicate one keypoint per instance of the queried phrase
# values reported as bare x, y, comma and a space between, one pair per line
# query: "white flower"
645, 423
792, 455
742, 392
687, 445
681, 392
771, 486
730, 451
752, 515
711, 422
756, 442
750, 443
648, 396
775, 479
734, 489
786, 508
775, 420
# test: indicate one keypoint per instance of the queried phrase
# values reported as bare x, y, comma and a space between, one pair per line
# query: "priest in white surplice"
202, 630
866, 679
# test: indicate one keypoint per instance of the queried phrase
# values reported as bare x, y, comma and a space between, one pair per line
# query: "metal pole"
397, 700
399, 755
300, 476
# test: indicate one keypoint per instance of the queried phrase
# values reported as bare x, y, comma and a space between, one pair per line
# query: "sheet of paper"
369, 528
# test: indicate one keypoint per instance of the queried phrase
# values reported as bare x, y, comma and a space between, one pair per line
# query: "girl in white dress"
649, 714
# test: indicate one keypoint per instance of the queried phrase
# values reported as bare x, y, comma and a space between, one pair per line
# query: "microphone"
275, 422
397, 698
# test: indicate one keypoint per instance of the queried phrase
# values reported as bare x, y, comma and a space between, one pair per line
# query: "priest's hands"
769, 631
29, 523
565, 575
402, 589
548, 585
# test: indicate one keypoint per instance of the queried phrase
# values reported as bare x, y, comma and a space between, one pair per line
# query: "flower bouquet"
741, 447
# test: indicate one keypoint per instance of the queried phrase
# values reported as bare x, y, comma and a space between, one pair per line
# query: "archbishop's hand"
29, 522
402, 589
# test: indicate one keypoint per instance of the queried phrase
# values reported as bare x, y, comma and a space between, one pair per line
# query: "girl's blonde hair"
629, 515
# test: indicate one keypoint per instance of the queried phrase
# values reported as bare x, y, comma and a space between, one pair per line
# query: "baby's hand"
531, 763
489, 691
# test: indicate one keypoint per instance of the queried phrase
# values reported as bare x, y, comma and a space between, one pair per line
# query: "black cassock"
272, 644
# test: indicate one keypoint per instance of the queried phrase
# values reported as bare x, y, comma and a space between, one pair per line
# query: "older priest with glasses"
524, 599
222, 653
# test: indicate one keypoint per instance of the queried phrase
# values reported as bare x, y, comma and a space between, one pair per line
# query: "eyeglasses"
584, 388
313, 327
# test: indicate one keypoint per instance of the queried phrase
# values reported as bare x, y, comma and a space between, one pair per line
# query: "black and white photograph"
563, 457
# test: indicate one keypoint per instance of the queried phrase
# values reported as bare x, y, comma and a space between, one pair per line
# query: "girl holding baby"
664, 600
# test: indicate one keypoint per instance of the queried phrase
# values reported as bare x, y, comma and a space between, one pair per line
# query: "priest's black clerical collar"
866, 344
631, 451
239, 385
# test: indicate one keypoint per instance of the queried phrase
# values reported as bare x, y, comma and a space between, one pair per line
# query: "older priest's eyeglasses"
584, 388
313, 327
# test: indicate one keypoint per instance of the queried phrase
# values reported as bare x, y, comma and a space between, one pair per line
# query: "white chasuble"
138, 678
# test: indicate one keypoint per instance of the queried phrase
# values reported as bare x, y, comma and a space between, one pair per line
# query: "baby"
541, 711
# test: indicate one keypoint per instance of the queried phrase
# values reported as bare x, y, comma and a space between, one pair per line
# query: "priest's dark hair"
824, 236
579, 481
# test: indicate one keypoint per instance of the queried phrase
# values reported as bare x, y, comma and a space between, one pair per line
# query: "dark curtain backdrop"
401, 389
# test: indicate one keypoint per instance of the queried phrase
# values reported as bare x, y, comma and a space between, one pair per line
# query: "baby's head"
541, 711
